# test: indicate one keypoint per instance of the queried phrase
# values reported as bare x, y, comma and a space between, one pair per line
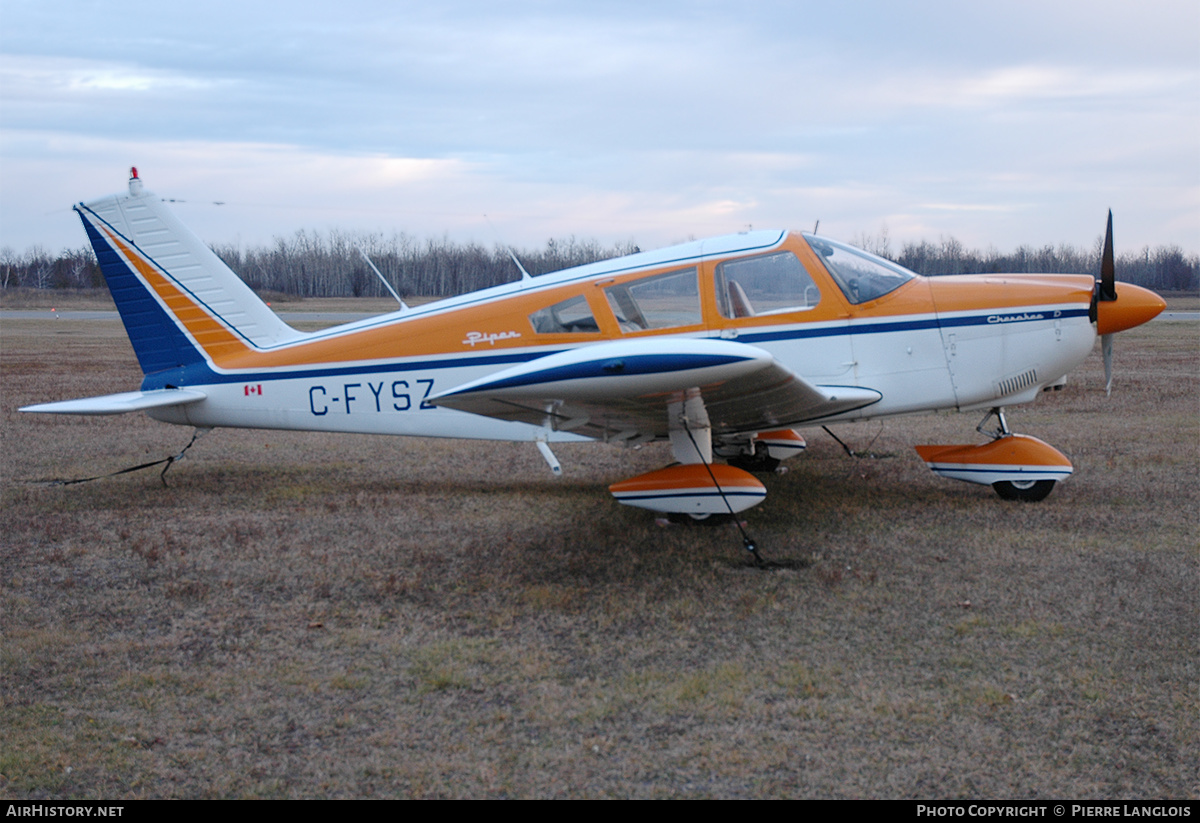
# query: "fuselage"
830, 314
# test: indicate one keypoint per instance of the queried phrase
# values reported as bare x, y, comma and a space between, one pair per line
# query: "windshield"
860, 276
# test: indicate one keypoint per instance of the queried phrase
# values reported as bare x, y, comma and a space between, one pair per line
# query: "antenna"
379, 274
524, 274
817, 225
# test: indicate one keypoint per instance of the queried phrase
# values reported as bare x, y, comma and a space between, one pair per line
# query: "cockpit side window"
661, 301
766, 284
861, 276
572, 316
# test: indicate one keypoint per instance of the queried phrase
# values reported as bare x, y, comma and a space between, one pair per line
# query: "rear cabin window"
572, 316
767, 284
661, 301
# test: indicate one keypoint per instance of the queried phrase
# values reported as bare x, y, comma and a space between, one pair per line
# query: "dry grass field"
303, 615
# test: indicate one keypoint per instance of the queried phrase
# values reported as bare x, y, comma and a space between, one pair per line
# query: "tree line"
1164, 268
315, 264
332, 265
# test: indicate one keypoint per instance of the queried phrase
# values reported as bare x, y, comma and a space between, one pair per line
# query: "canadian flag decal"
255, 389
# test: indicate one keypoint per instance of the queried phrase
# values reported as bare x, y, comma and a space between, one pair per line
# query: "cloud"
652, 122
25, 77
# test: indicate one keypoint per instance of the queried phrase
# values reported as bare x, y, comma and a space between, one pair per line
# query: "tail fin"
180, 304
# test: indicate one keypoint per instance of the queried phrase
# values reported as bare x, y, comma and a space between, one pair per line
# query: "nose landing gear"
1016, 466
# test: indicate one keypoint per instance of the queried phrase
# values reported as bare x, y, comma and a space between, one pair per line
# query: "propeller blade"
1108, 271
1106, 349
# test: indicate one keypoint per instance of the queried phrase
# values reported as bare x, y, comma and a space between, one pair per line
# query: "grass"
304, 615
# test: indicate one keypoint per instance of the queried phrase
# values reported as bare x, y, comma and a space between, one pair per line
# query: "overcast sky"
998, 123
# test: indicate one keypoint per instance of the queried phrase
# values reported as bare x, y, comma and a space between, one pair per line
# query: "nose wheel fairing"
1013, 458
1017, 466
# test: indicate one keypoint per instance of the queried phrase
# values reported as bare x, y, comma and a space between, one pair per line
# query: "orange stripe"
1015, 450
689, 476
216, 340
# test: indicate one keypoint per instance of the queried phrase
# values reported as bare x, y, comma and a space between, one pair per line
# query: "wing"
120, 403
621, 390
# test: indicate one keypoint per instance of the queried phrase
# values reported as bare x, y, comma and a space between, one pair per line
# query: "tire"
1028, 491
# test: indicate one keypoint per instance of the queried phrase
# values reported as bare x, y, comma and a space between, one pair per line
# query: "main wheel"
1029, 491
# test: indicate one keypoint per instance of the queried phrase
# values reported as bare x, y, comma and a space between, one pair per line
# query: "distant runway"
332, 317
287, 316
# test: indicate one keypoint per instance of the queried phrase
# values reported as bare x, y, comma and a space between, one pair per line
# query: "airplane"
723, 347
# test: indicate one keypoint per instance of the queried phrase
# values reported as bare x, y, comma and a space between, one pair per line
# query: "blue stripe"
615, 367
996, 317
623, 497
156, 338
894, 326
999, 467
202, 374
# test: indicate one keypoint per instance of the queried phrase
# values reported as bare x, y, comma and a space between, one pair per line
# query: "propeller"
1105, 291
1108, 271
1106, 349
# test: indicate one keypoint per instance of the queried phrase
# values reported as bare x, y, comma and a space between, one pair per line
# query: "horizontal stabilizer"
122, 403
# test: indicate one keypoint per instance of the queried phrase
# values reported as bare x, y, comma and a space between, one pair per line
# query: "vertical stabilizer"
174, 294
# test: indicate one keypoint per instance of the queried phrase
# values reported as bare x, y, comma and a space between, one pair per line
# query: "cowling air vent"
1012, 385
